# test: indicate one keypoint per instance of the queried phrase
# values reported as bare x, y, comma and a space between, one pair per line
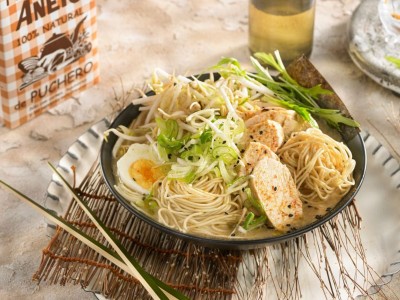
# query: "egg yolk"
145, 172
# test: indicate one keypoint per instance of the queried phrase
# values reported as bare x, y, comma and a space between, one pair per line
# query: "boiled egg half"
139, 168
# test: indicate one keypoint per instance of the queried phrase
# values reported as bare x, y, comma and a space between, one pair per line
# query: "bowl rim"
106, 167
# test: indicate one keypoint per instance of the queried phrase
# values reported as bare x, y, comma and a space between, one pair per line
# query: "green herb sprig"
119, 256
284, 91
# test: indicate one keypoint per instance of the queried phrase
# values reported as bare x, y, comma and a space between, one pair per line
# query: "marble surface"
134, 38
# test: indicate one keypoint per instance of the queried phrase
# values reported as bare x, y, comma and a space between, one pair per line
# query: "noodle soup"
228, 158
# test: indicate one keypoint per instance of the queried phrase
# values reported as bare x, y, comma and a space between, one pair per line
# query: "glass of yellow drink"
284, 25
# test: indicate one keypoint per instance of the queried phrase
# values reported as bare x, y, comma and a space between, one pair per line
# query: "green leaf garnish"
289, 94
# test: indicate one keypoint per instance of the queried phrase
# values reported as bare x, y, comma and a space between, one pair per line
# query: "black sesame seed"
309, 206
224, 142
226, 213
288, 225
190, 157
318, 217
169, 156
233, 234
270, 227
242, 151
242, 189
251, 136
290, 215
265, 151
261, 132
289, 206
275, 188
249, 164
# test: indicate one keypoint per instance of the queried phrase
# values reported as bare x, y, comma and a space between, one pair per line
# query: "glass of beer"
284, 25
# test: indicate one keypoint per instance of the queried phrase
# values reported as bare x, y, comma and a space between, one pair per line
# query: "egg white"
134, 153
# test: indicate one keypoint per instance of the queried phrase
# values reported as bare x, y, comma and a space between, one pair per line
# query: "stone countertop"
134, 38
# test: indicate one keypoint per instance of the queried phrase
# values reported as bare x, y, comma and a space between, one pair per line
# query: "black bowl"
125, 118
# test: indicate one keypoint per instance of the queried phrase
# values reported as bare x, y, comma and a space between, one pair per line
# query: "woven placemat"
333, 253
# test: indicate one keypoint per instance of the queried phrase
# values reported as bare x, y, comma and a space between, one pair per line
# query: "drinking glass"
284, 25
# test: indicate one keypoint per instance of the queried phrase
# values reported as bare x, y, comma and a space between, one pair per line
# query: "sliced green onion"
169, 143
249, 218
225, 174
225, 153
206, 136
257, 222
254, 202
150, 204
183, 173
195, 151
169, 128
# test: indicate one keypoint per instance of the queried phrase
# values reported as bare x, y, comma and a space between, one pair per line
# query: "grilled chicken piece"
268, 132
253, 154
274, 187
245, 115
288, 119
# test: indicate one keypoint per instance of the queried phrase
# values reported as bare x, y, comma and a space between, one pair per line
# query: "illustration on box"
59, 51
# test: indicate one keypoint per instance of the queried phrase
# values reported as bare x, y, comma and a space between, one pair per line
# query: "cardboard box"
48, 53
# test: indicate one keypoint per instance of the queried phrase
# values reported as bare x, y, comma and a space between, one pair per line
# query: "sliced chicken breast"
245, 115
288, 119
254, 153
268, 132
274, 187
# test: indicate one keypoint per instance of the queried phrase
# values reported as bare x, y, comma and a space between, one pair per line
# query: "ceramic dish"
368, 44
125, 118
377, 197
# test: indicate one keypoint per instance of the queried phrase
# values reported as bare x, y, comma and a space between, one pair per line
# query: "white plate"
368, 44
378, 202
